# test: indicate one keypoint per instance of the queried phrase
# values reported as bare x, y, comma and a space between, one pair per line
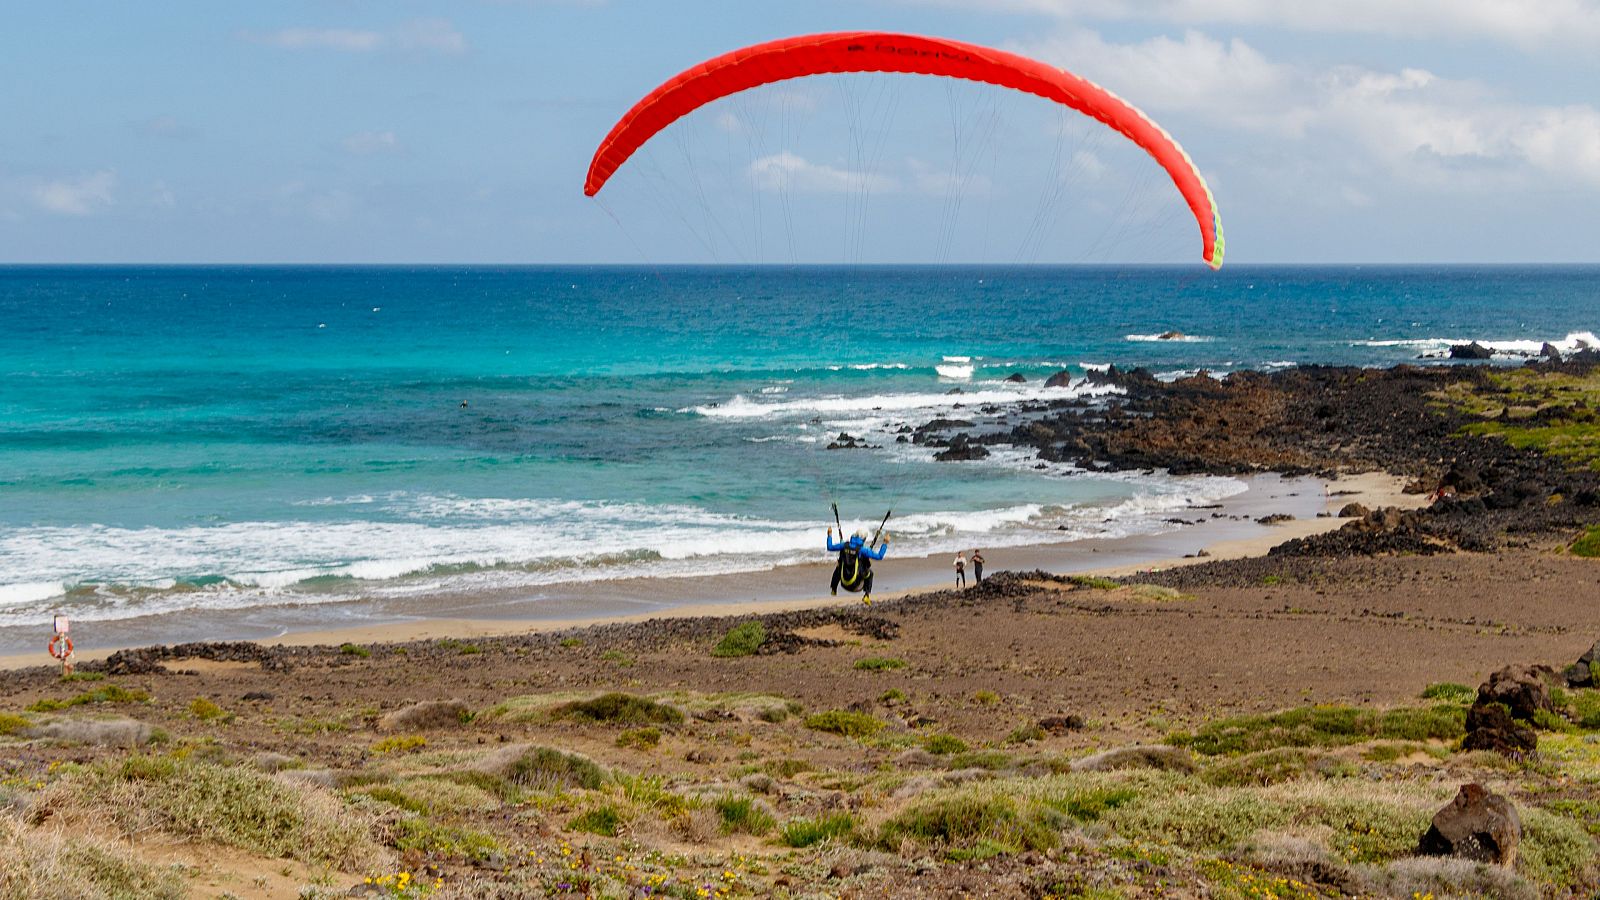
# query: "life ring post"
61, 644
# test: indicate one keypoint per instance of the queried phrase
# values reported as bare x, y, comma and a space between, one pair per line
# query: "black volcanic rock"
1473, 350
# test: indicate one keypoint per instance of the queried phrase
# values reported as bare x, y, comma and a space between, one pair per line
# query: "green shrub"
429, 837
1586, 708
807, 832
617, 658
971, 819
1261, 769
1324, 726
640, 738
11, 723
1093, 583
893, 695
743, 815
879, 663
1587, 544
986, 698
602, 820
650, 792
109, 693
845, 723
237, 806
461, 647
1555, 850
207, 711
981, 759
400, 743
571, 642
619, 708
1091, 803
355, 650
1450, 692
1025, 733
785, 768
943, 744
542, 768
743, 639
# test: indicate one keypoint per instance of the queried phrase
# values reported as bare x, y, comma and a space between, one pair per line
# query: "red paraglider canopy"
870, 51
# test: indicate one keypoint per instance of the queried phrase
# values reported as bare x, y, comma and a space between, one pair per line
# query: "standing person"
977, 567
961, 569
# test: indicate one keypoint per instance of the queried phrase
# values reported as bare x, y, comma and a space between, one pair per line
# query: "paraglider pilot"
853, 572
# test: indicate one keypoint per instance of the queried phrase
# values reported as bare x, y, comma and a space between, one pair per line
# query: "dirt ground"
1134, 663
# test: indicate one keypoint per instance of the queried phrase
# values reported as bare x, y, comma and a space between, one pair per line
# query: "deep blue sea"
175, 438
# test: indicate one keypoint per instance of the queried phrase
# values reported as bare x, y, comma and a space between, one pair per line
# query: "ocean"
205, 438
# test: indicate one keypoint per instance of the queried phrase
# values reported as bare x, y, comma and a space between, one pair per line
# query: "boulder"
1171, 336
962, 449
1550, 351
1478, 825
1017, 378
1062, 378
1490, 727
1354, 511
1473, 350
1059, 725
1275, 519
1581, 674
1523, 690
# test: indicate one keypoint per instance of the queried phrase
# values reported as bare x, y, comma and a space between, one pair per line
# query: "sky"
359, 131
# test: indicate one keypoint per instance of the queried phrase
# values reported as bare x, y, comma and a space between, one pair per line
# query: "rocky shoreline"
1311, 420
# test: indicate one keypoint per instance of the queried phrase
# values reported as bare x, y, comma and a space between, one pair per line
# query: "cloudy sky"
400, 131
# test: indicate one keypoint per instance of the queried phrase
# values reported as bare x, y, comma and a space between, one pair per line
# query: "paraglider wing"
823, 54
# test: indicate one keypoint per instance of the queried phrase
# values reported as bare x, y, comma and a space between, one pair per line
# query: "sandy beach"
1228, 531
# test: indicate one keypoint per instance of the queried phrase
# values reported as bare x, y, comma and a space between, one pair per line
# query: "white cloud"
342, 39
786, 171
1525, 23
1196, 73
431, 35
1414, 123
77, 196
414, 35
368, 143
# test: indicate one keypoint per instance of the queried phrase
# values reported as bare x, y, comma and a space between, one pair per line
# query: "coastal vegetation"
1551, 411
1308, 796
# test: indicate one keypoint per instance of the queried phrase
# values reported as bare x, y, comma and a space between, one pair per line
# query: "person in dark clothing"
853, 571
977, 567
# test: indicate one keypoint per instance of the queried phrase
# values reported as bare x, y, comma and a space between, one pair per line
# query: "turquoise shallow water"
175, 438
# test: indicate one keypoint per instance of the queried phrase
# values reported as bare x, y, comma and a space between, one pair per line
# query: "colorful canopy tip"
872, 51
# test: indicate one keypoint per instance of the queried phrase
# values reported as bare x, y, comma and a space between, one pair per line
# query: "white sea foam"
1180, 339
1095, 367
954, 371
24, 592
1438, 347
450, 544
742, 407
